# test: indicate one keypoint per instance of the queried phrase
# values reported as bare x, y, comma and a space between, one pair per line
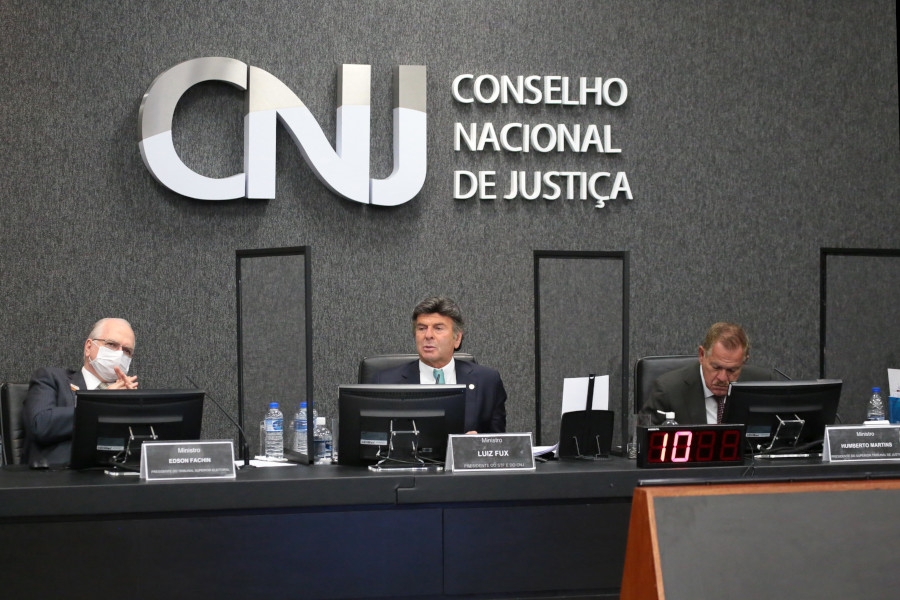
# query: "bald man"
49, 413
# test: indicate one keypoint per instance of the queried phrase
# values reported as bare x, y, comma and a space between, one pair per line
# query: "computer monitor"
766, 406
111, 425
408, 424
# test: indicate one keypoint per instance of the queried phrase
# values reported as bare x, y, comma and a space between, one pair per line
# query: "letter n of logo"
344, 169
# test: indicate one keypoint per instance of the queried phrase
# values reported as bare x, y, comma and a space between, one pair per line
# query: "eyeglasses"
116, 346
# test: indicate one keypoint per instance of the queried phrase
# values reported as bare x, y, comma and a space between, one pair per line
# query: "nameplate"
489, 452
165, 461
861, 442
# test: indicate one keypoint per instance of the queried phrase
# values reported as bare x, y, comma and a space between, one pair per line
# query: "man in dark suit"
438, 330
696, 393
49, 412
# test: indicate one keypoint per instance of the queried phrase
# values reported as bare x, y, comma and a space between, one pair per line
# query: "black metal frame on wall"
823, 286
623, 258
305, 252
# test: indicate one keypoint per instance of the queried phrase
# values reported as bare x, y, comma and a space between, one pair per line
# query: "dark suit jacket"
49, 415
681, 391
485, 394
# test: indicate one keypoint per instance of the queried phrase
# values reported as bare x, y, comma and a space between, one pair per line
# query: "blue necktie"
439, 376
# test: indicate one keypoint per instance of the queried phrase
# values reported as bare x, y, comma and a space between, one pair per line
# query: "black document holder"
586, 434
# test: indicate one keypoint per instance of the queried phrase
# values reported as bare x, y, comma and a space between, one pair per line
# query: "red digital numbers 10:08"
681, 447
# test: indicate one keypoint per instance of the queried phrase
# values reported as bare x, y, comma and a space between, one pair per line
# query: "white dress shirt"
92, 381
712, 407
426, 373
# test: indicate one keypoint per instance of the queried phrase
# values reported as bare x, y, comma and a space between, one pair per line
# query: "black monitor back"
367, 412
759, 404
104, 419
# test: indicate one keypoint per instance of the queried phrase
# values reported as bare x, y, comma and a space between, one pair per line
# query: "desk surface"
27, 493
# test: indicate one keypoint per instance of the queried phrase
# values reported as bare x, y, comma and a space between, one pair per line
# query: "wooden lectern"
825, 539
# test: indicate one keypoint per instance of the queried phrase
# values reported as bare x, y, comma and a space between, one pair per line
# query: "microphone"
777, 370
243, 436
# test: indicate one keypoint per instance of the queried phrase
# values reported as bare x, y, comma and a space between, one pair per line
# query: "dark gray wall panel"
862, 328
581, 318
754, 135
273, 338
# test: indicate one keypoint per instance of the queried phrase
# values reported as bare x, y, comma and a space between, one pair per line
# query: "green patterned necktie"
439, 376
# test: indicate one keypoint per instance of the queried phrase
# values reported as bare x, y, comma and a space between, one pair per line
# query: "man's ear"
458, 341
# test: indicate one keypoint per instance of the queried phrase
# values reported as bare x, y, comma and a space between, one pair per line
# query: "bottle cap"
320, 420
876, 390
670, 416
303, 405
273, 405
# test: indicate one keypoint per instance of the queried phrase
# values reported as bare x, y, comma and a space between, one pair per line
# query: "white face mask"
106, 362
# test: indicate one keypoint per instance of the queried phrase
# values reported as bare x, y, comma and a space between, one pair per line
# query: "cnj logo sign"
344, 169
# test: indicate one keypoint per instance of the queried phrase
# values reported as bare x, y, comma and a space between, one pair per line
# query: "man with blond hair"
696, 393
49, 413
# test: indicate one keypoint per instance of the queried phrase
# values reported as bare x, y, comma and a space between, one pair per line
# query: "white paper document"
575, 390
894, 380
542, 450
262, 461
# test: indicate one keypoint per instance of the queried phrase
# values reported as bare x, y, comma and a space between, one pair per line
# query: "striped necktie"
720, 400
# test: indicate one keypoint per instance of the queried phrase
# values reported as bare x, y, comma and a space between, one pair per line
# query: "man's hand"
123, 381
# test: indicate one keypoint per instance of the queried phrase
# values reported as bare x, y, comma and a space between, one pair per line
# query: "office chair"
649, 368
12, 400
370, 365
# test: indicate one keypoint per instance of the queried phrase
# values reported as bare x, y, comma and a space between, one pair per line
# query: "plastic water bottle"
670, 419
274, 432
300, 429
875, 410
323, 441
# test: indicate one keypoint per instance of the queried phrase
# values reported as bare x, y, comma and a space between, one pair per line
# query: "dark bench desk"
337, 532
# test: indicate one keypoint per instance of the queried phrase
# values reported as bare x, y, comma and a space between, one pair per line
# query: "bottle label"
274, 425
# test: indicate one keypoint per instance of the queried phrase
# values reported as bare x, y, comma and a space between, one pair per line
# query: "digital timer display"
690, 445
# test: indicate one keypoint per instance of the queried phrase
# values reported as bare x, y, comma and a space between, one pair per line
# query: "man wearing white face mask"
49, 410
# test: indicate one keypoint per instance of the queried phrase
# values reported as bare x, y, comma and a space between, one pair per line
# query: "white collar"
706, 392
91, 381
426, 372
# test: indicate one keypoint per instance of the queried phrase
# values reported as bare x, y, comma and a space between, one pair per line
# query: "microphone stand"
242, 437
